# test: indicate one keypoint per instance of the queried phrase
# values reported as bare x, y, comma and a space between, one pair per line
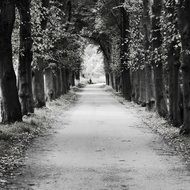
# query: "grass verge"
16, 138
179, 143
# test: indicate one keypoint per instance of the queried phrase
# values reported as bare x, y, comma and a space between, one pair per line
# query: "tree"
173, 60
10, 106
125, 38
38, 76
184, 25
157, 58
25, 58
148, 68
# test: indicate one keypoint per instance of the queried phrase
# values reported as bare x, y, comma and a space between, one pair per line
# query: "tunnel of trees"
145, 44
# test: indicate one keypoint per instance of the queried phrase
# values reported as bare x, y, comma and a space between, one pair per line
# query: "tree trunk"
150, 99
184, 21
133, 85
64, 81
10, 106
116, 83
112, 80
136, 86
72, 78
174, 93
38, 88
134, 81
49, 84
55, 82
125, 71
148, 68
161, 107
38, 75
25, 58
59, 82
78, 75
126, 84
142, 97
67, 79
174, 65
107, 79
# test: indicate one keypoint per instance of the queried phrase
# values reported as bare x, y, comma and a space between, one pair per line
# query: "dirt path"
101, 145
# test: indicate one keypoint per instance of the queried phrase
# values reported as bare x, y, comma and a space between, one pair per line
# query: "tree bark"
142, 97
55, 83
174, 93
38, 88
38, 78
161, 107
64, 78
136, 86
126, 84
125, 71
10, 106
61, 81
184, 21
116, 83
174, 65
150, 98
72, 78
133, 85
67, 79
112, 80
25, 58
77, 76
58, 82
148, 69
49, 84
107, 79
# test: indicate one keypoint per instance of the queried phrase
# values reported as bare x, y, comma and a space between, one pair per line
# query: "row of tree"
38, 43
148, 56
145, 43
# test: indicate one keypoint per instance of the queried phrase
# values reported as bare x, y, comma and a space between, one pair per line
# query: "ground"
101, 144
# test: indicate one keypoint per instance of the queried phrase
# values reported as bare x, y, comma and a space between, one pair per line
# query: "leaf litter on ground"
16, 138
170, 134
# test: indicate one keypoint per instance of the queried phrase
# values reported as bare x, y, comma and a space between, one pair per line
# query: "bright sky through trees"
93, 64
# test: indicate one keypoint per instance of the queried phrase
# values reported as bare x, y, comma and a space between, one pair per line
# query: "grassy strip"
16, 138
170, 134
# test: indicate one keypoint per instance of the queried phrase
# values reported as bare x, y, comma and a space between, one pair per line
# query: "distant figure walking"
90, 81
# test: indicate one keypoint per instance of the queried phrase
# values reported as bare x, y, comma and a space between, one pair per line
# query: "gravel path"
100, 145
